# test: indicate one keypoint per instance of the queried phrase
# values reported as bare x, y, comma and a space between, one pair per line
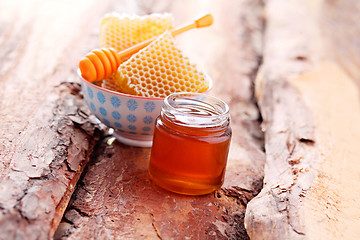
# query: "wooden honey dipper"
101, 63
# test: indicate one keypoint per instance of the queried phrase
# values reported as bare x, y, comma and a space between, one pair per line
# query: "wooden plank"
115, 198
310, 108
46, 134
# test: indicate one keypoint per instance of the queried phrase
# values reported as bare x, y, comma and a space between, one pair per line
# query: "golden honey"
191, 144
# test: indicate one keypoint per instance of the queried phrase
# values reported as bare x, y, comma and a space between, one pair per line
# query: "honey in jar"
191, 144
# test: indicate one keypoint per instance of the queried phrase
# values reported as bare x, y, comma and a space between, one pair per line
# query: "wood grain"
310, 107
46, 135
307, 90
116, 199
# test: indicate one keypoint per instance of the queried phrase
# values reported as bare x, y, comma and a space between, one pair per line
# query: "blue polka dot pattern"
118, 125
149, 106
148, 120
132, 105
90, 93
115, 102
132, 127
107, 122
146, 129
92, 106
103, 111
101, 97
131, 118
116, 115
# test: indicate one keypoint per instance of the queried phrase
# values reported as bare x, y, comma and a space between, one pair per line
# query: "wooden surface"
118, 176
296, 62
48, 135
42, 151
309, 99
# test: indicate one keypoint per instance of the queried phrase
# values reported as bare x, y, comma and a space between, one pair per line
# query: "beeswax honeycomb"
110, 84
159, 70
123, 31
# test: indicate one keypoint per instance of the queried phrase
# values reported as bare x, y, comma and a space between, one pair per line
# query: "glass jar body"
189, 160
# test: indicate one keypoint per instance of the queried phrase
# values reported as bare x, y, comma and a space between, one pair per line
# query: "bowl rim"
134, 96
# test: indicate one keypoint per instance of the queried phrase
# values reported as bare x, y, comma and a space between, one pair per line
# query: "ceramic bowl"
131, 117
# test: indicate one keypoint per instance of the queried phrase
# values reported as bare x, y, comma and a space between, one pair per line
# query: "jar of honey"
191, 144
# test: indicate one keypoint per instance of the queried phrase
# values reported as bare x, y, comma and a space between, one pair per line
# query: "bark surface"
48, 136
308, 95
116, 199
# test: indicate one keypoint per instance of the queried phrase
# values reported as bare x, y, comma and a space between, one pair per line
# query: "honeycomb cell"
121, 31
167, 71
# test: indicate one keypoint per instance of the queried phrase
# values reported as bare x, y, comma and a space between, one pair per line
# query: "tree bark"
116, 200
48, 136
46, 132
309, 102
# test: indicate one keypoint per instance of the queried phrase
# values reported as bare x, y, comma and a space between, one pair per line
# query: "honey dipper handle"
100, 64
204, 21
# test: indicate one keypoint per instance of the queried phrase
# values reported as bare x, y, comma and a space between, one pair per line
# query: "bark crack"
154, 227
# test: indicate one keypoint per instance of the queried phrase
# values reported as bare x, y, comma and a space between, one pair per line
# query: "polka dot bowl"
131, 117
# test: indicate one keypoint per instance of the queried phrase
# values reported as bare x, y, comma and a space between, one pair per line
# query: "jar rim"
196, 109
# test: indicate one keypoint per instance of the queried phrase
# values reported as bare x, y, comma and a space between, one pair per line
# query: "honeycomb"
110, 84
121, 31
159, 70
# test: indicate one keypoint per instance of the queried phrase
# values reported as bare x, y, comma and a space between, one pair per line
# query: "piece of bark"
116, 199
46, 134
310, 109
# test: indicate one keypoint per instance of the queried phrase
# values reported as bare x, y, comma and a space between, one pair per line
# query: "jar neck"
195, 110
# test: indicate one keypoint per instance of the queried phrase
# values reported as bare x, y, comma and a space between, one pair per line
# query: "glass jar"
191, 144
